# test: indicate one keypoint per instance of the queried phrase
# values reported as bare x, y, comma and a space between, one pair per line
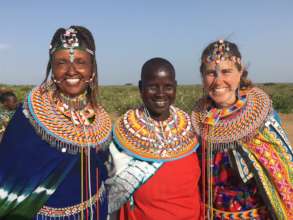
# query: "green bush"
283, 103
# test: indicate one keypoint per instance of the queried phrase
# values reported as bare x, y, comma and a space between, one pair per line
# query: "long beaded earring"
238, 92
204, 92
91, 82
50, 86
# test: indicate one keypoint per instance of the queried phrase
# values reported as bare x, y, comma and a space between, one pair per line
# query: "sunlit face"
221, 82
158, 92
72, 77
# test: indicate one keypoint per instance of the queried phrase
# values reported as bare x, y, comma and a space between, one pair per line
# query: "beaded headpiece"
69, 40
221, 52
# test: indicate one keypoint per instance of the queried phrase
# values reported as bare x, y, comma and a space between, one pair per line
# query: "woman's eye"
60, 62
226, 72
152, 88
169, 88
80, 62
210, 73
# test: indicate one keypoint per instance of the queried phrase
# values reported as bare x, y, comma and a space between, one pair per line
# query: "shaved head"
156, 65
158, 87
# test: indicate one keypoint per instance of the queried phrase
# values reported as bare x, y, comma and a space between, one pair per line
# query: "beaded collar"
229, 125
150, 140
67, 130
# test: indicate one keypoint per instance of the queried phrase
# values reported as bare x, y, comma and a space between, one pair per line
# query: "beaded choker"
76, 103
229, 125
67, 130
147, 139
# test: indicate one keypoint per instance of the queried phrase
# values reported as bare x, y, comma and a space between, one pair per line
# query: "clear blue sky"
129, 32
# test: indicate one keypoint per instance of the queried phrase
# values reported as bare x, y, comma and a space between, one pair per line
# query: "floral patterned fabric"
230, 194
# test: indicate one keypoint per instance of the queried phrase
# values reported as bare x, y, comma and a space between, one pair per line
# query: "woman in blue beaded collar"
53, 156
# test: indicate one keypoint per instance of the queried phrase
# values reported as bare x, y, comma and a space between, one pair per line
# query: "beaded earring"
204, 93
238, 92
50, 86
91, 82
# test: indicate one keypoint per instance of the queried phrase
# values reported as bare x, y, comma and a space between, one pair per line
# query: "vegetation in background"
281, 95
118, 99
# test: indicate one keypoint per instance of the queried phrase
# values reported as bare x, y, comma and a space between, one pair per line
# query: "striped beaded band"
68, 211
51, 212
137, 137
257, 213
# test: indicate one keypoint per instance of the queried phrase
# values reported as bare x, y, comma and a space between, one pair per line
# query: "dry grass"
287, 122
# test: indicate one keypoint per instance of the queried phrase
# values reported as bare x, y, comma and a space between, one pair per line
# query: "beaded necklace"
238, 122
75, 103
148, 139
66, 129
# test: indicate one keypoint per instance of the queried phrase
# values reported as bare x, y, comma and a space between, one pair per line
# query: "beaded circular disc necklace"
236, 122
68, 130
147, 139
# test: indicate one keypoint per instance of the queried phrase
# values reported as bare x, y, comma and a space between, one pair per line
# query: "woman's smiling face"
72, 77
220, 81
158, 92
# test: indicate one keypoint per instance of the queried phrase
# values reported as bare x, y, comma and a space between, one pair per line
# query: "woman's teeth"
161, 103
72, 81
219, 90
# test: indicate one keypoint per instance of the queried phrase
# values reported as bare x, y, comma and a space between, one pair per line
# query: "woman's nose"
71, 69
219, 76
160, 91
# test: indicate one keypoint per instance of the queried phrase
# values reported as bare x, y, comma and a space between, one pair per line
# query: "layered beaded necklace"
145, 138
77, 109
65, 128
162, 130
238, 122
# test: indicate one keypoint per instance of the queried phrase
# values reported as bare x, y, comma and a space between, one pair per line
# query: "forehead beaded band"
69, 40
220, 52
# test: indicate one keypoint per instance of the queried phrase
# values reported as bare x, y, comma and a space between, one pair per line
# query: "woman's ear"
140, 85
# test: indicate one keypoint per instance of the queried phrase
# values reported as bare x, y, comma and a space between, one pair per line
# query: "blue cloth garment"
34, 174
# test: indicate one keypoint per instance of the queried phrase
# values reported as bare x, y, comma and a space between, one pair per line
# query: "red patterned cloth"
171, 194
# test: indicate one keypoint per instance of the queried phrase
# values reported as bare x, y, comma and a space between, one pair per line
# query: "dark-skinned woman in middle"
157, 169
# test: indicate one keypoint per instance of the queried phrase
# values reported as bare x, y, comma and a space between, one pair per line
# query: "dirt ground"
287, 123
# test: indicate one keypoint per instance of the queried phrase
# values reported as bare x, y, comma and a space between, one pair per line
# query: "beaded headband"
69, 41
221, 52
